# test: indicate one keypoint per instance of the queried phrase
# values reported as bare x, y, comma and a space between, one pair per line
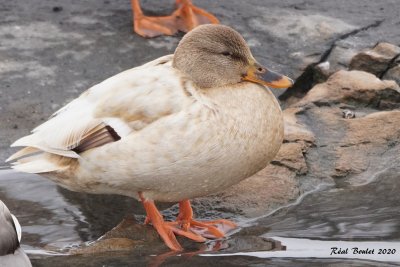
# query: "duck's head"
216, 55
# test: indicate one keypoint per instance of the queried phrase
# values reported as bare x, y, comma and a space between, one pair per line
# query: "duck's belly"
185, 157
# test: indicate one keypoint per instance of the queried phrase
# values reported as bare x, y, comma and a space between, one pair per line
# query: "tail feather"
26, 141
37, 164
35, 143
22, 153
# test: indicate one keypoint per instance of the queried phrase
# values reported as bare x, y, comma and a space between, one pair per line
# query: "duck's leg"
186, 17
207, 229
166, 230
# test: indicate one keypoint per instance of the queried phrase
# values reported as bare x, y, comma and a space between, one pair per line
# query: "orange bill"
261, 75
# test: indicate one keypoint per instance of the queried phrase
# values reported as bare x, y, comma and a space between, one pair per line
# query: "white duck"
179, 127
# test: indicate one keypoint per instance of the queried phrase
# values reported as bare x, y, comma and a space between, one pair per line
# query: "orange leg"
166, 230
185, 18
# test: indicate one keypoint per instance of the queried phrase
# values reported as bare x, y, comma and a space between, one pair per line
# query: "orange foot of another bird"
184, 225
186, 17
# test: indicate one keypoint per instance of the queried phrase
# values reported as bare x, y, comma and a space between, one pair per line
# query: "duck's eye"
227, 53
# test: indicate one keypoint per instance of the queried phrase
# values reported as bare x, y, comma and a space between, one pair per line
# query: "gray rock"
393, 74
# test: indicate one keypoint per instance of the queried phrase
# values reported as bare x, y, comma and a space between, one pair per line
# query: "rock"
365, 144
107, 245
296, 131
340, 57
128, 235
376, 60
380, 61
353, 87
129, 228
393, 74
356, 149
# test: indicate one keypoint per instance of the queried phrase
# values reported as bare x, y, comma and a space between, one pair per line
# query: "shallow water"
366, 216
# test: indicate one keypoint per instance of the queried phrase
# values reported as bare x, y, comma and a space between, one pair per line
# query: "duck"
179, 127
11, 254
186, 17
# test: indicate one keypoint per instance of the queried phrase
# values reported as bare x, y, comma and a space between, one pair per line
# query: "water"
301, 234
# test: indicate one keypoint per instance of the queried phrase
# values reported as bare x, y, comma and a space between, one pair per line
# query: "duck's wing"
105, 113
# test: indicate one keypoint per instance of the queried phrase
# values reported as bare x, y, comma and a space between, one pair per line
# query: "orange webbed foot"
152, 26
186, 17
185, 226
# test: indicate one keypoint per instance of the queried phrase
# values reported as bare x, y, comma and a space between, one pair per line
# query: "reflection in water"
158, 260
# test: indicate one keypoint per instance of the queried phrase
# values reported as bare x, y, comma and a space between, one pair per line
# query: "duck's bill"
268, 78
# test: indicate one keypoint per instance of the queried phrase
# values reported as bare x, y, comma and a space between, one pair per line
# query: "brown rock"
126, 236
129, 228
356, 149
107, 245
352, 87
342, 57
291, 156
375, 60
365, 141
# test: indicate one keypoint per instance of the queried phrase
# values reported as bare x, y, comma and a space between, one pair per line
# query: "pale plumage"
170, 133
152, 130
